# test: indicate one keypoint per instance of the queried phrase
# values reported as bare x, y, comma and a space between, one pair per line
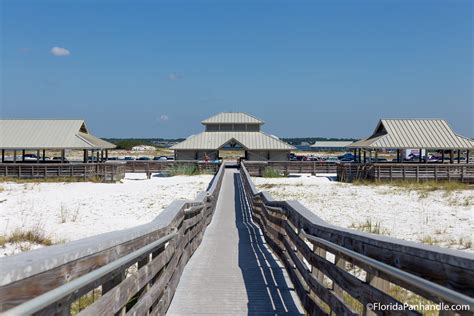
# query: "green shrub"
269, 172
184, 170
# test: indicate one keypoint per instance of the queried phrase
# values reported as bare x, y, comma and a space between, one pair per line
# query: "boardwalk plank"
233, 271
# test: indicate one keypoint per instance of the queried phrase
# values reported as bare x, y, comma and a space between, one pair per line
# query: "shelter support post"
84, 158
398, 155
63, 153
23, 155
451, 156
14, 156
459, 156
365, 156
38, 156
97, 157
44, 155
106, 154
3, 155
101, 155
467, 156
420, 158
376, 156
442, 156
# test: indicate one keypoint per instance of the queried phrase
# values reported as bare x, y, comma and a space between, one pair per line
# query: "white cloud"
60, 51
163, 118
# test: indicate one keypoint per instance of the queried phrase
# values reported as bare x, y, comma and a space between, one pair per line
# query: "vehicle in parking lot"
59, 160
128, 158
143, 158
332, 159
30, 157
160, 158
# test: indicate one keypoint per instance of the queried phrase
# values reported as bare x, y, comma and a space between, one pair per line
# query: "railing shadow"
267, 290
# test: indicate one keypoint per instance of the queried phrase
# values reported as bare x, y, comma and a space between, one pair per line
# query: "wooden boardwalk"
233, 272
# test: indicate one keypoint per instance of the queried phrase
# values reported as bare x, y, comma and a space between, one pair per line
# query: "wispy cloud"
163, 118
60, 51
174, 76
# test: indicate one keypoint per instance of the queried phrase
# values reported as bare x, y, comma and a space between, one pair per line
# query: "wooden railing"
342, 271
348, 172
135, 271
149, 166
257, 168
109, 172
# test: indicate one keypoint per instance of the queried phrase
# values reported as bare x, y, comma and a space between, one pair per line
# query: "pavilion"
39, 136
402, 134
232, 131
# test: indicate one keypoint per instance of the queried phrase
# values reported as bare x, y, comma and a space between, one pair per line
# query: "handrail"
393, 268
48, 280
38, 303
440, 291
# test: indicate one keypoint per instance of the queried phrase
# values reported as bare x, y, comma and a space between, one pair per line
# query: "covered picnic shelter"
41, 136
423, 134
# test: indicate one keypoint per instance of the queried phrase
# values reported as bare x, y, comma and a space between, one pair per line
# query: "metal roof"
48, 134
414, 133
337, 144
216, 140
232, 117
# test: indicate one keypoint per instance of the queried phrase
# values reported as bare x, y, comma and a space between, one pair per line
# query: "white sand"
71, 211
448, 218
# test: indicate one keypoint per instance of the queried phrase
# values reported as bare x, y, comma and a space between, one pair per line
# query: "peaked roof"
232, 117
48, 134
217, 140
414, 133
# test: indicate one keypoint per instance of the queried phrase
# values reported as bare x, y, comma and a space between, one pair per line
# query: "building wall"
265, 155
232, 127
195, 155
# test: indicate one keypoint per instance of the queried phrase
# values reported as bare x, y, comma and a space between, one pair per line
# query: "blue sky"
308, 68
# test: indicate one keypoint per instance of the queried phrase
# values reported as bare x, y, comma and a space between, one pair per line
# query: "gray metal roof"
249, 140
414, 133
232, 117
335, 144
48, 134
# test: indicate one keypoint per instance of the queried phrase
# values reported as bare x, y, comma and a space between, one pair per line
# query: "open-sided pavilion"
40, 136
402, 134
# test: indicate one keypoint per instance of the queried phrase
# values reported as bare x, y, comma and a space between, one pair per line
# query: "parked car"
112, 158
58, 160
346, 156
128, 158
346, 159
160, 158
30, 157
92, 159
143, 158
170, 157
332, 159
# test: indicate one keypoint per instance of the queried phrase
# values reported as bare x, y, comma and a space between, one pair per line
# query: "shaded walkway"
233, 271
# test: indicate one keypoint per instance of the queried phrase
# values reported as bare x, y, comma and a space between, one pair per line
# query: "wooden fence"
150, 166
348, 172
135, 270
107, 172
342, 271
257, 168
